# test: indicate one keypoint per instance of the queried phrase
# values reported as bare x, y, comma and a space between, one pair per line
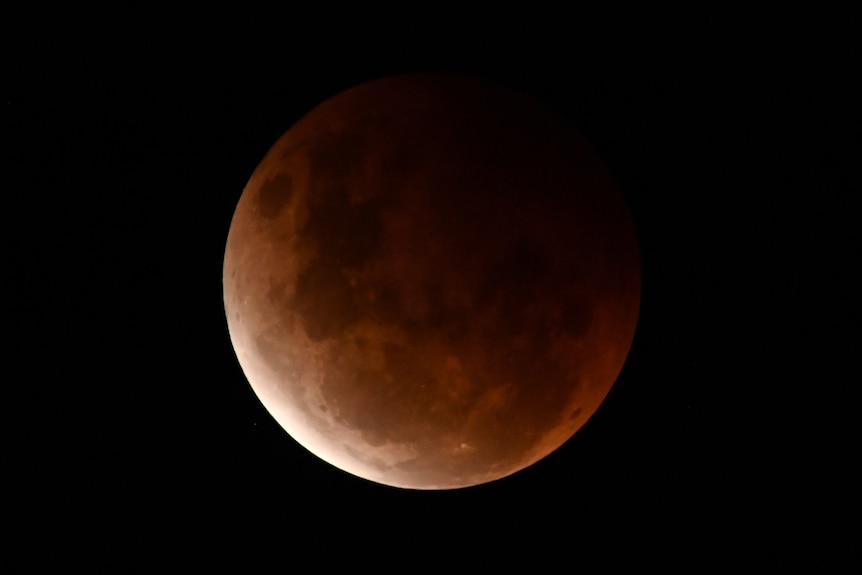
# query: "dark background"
729, 438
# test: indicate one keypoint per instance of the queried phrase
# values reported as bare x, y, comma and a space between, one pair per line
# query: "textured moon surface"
431, 282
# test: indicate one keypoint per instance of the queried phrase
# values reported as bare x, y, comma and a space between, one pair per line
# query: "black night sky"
725, 442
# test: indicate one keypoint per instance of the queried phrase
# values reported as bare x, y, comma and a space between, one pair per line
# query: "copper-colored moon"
431, 282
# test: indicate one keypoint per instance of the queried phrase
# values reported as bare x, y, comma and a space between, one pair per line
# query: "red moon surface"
431, 282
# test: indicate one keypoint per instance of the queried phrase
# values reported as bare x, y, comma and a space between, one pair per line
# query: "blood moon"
431, 282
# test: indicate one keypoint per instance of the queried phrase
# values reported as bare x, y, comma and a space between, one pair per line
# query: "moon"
431, 282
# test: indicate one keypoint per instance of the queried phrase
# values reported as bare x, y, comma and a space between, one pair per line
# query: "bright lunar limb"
431, 282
